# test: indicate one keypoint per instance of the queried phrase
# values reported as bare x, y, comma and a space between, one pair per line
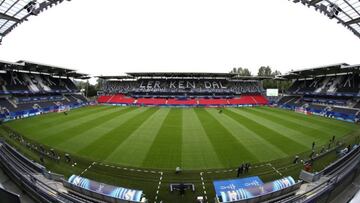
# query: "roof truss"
14, 12
346, 12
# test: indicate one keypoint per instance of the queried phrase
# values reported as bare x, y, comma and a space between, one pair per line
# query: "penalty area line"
277, 171
128, 169
235, 169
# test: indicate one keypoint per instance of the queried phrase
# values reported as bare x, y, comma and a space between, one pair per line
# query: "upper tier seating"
331, 85
23, 83
350, 84
186, 87
13, 81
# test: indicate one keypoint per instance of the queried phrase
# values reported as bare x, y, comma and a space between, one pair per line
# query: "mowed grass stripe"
106, 144
284, 143
303, 122
229, 150
308, 132
279, 127
254, 143
165, 151
65, 135
327, 122
91, 134
52, 119
45, 132
139, 142
197, 151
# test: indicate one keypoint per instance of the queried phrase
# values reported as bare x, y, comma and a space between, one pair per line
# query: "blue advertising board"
241, 189
222, 186
108, 190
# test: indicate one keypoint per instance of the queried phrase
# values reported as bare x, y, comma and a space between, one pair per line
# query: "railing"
24, 172
336, 173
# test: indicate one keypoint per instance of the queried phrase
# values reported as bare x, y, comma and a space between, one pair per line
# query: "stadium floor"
192, 138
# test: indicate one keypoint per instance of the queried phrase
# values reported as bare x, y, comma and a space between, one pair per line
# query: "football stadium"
179, 136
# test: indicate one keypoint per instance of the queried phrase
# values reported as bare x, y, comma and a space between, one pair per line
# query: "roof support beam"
353, 21
7, 17
313, 2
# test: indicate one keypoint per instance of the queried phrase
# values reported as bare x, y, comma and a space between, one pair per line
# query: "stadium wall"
36, 112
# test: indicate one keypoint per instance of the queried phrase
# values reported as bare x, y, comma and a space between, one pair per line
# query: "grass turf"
192, 138
195, 138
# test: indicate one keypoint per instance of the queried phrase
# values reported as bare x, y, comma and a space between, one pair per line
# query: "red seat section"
248, 99
243, 100
213, 102
182, 102
104, 99
260, 99
121, 99
151, 101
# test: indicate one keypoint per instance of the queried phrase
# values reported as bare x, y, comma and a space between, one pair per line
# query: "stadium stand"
331, 91
29, 88
44, 186
323, 95
339, 174
187, 89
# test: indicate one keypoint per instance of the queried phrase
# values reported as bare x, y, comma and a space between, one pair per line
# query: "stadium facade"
182, 89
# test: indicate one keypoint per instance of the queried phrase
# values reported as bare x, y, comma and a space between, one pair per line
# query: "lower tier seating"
243, 100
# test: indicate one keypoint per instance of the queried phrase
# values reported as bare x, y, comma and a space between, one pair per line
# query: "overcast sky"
111, 37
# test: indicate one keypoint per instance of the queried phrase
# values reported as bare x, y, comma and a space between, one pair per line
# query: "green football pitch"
191, 138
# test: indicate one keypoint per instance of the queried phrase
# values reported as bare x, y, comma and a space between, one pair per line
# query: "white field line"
277, 171
158, 188
203, 186
139, 170
84, 171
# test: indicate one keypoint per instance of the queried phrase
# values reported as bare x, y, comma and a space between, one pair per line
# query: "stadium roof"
119, 77
14, 12
341, 68
180, 74
346, 12
41, 68
233, 76
252, 77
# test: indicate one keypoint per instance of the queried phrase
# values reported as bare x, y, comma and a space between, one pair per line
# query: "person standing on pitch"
242, 169
238, 172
